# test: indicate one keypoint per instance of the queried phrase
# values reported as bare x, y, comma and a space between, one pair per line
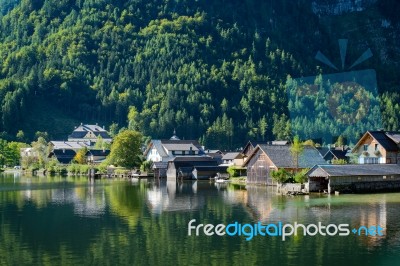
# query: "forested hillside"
212, 70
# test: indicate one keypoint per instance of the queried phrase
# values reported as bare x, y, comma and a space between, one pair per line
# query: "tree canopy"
213, 70
126, 149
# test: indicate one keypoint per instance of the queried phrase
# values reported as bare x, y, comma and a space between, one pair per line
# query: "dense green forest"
213, 70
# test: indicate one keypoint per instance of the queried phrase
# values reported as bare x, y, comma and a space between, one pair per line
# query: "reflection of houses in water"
235, 196
378, 216
87, 201
259, 203
176, 196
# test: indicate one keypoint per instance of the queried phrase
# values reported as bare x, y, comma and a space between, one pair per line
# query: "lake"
71, 220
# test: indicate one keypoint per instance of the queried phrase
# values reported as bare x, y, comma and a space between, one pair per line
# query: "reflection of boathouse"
179, 196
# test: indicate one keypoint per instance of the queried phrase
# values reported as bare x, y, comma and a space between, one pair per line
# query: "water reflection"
73, 220
169, 196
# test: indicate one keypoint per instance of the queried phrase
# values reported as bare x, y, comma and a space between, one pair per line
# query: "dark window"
376, 147
365, 147
183, 153
173, 152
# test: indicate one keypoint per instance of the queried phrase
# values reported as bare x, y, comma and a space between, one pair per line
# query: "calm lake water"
59, 220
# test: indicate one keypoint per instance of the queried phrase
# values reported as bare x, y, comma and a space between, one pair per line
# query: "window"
369, 160
365, 147
173, 152
183, 153
376, 147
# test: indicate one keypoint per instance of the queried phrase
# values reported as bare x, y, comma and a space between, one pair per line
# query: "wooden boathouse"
361, 178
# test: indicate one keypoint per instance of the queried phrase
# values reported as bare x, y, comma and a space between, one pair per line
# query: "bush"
301, 176
281, 176
232, 171
146, 166
84, 169
72, 168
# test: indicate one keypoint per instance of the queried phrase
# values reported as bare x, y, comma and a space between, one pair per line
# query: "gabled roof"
323, 150
254, 144
63, 156
395, 136
59, 145
158, 146
354, 170
232, 156
171, 141
173, 145
160, 165
339, 154
382, 138
180, 146
282, 157
82, 130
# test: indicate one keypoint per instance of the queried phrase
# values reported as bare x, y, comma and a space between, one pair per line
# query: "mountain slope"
214, 70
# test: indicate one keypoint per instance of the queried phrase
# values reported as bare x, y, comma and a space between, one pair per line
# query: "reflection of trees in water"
126, 202
56, 235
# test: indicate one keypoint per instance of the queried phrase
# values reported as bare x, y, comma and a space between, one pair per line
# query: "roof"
180, 147
159, 148
339, 154
208, 151
60, 145
354, 170
279, 142
82, 130
171, 141
211, 168
192, 159
160, 165
63, 156
230, 156
173, 145
282, 157
395, 136
381, 137
323, 150
98, 152
385, 139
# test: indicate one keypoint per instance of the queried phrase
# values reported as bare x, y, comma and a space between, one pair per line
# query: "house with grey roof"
337, 154
160, 152
267, 158
378, 147
84, 136
233, 159
89, 133
251, 145
356, 178
165, 150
